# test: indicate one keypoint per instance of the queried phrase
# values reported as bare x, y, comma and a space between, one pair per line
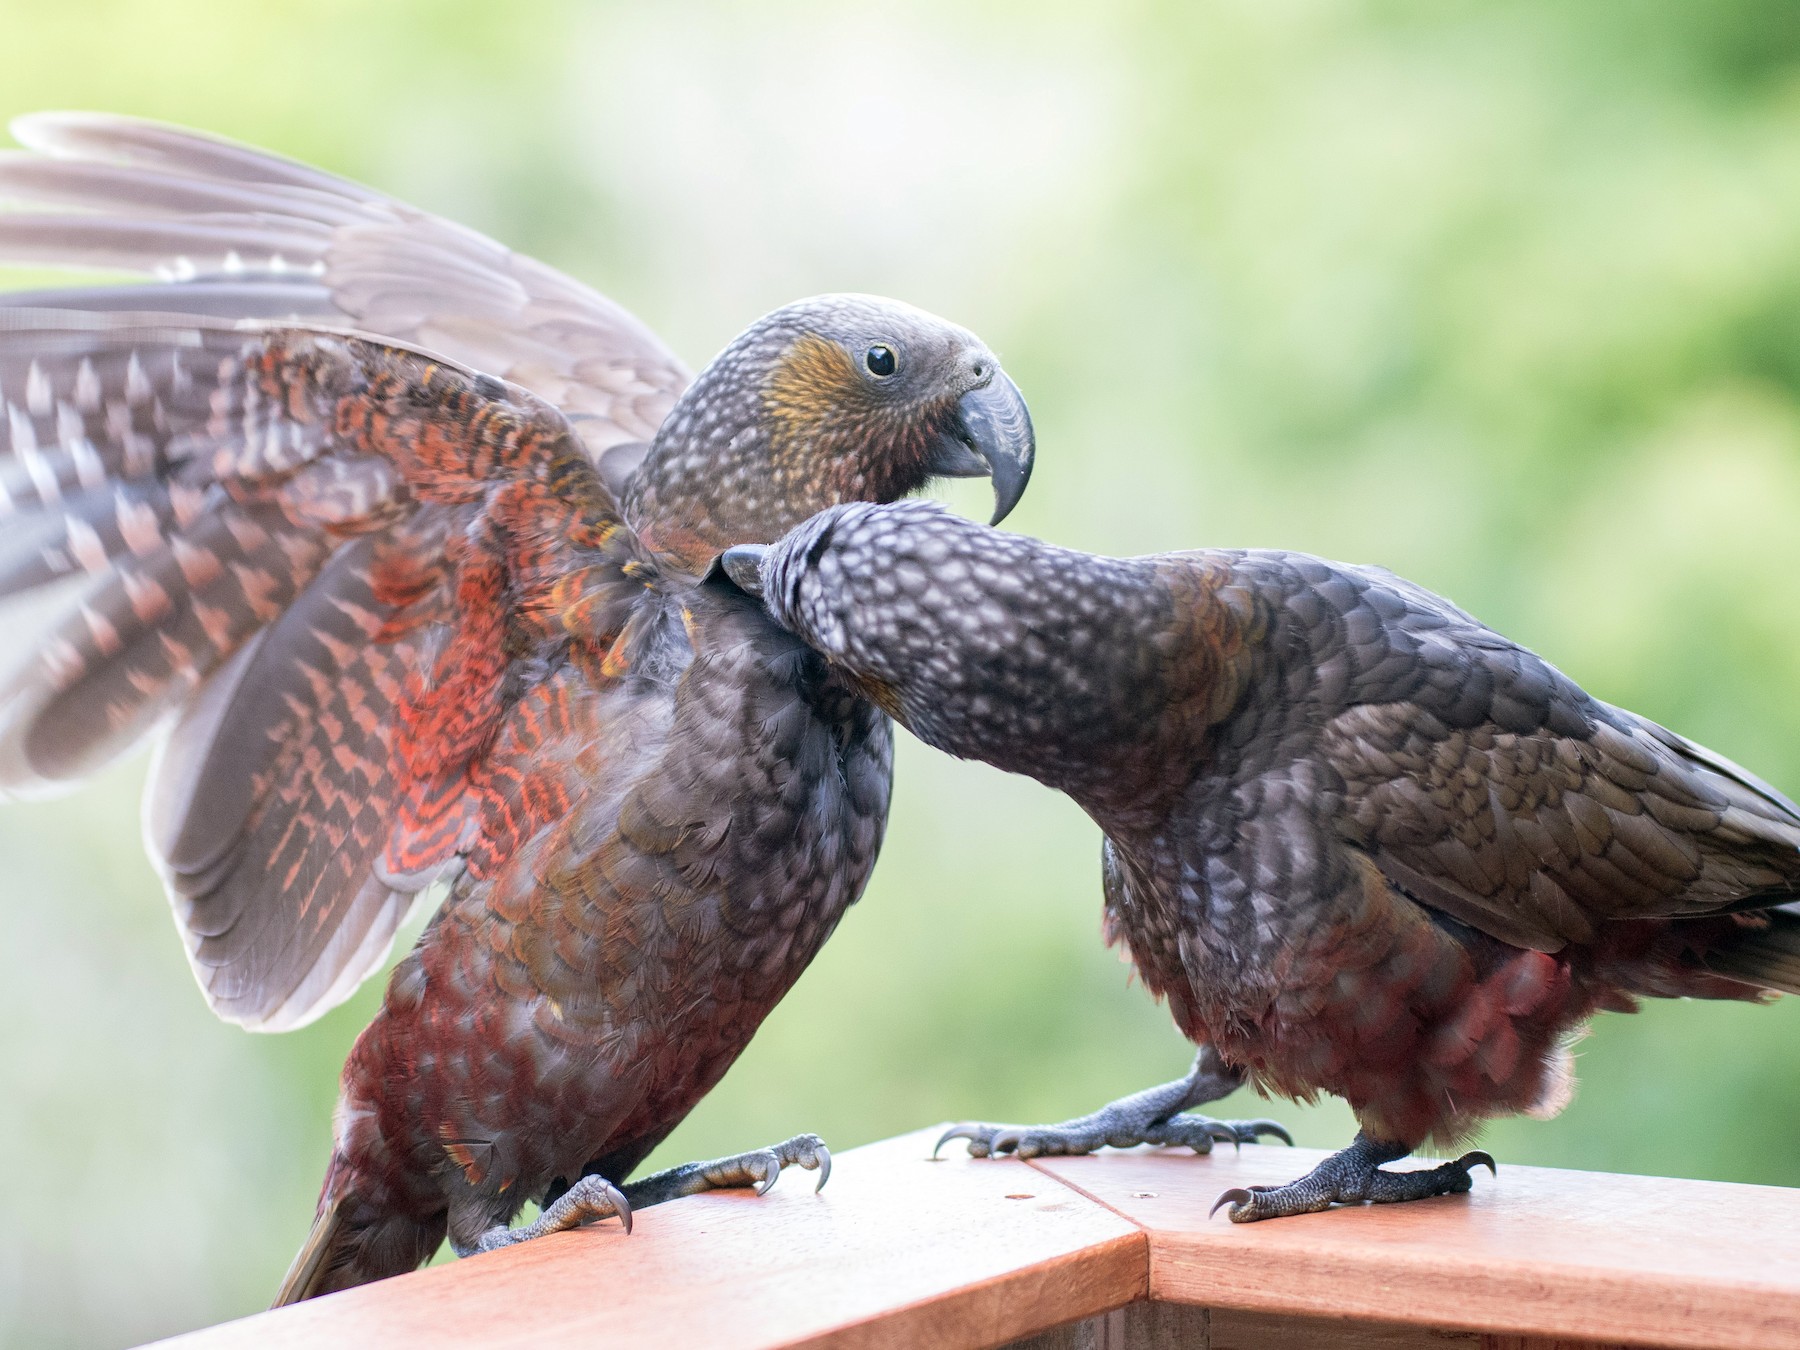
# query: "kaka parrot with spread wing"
1361, 843
394, 539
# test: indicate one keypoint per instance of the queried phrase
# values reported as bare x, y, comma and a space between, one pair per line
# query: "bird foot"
1349, 1177
759, 1168
589, 1199
1111, 1126
1161, 1115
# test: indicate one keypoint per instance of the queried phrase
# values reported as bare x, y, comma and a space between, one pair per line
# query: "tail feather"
322, 1250
1769, 957
353, 1242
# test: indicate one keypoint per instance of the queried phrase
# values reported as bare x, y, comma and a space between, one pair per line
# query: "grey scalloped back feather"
273, 573
1362, 843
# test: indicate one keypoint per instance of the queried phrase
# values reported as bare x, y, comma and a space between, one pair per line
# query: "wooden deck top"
902, 1251
1535, 1251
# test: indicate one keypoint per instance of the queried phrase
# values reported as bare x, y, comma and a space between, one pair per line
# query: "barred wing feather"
276, 481
279, 530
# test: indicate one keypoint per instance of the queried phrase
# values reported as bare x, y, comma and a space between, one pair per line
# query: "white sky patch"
782, 154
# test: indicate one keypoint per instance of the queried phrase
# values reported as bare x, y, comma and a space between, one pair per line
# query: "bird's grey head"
834, 399
870, 587
986, 644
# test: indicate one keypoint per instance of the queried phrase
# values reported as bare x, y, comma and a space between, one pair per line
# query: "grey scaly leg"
758, 1168
593, 1197
1153, 1116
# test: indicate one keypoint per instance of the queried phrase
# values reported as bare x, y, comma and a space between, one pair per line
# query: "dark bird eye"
880, 361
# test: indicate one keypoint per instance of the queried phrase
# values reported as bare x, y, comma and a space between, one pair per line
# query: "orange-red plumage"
399, 538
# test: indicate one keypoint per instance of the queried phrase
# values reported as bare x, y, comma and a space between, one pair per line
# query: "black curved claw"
1478, 1158
771, 1172
954, 1132
1258, 1128
623, 1205
803, 1150
1237, 1195
986, 1141
1225, 1133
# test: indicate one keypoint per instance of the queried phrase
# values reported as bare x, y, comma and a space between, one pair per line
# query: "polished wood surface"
1534, 1251
1179, 1326
896, 1251
899, 1251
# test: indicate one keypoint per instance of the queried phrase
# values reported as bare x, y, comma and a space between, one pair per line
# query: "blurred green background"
1505, 297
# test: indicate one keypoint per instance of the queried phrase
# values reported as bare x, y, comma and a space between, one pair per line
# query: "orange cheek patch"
813, 380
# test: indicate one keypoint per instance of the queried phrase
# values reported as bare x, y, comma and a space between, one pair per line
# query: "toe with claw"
1201, 1132
1103, 1129
1352, 1176
590, 1199
760, 1169
806, 1151
1163, 1115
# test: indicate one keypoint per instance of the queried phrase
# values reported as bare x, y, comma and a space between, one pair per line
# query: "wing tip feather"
354, 952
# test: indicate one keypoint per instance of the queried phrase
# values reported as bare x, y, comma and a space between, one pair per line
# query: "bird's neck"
704, 483
701, 490
1079, 677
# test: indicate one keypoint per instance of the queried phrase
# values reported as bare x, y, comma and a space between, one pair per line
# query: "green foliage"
1506, 297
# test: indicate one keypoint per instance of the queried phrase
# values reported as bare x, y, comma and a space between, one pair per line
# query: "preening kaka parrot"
394, 538
1361, 843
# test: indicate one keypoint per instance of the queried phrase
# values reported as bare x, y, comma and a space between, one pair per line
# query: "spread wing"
232, 232
321, 560
354, 581
1487, 784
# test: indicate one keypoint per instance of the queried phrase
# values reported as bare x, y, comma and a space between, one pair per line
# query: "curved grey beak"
743, 564
990, 438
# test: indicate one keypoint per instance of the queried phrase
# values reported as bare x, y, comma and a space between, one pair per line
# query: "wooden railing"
1113, 1252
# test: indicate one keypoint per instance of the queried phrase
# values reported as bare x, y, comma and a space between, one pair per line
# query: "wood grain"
1061, 1254
1181, 1326
896, 1251
1614, 1260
